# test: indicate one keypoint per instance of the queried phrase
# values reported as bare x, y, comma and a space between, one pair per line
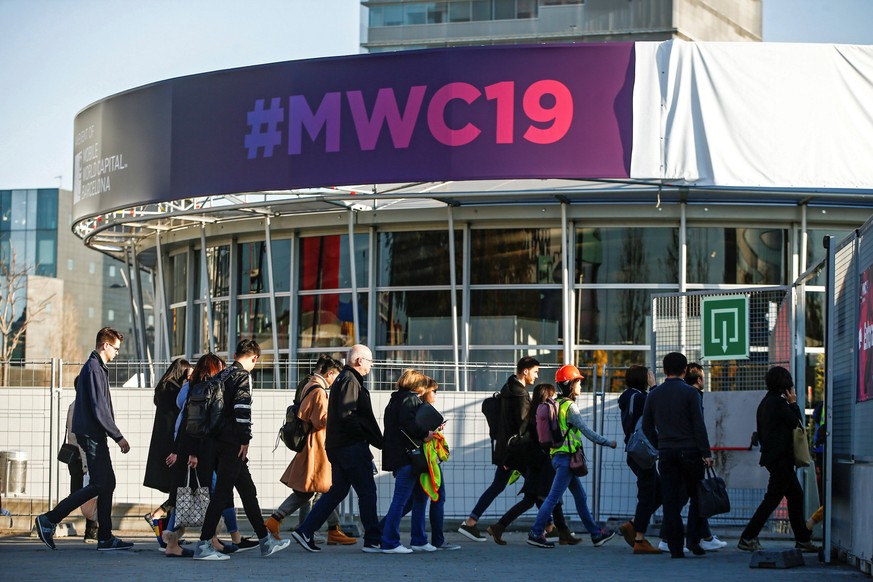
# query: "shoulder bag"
801, 446
712, 496
191, 503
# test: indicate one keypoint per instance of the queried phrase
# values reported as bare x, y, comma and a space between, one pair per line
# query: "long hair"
176, 374
207, 366
542, 392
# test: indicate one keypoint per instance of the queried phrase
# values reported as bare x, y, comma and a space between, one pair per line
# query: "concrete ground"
23, 557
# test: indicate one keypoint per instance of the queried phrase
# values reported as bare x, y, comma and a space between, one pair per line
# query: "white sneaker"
204, 551
713, 544
319, 538
270, 545
428, 547
401, 549
662, 545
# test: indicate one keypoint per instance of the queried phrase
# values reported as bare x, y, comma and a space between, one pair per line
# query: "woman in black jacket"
157, 474
401, 434
778, 415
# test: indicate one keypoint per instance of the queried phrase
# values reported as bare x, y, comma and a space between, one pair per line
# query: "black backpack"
205, 407
491, 410
293, 433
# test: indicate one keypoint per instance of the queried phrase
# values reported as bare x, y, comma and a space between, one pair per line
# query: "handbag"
801, 446
578, 463
191, 503
640, 449
712, 496
69, 454
416, 456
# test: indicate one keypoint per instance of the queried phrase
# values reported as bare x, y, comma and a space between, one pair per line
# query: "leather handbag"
417, 458
801, 446
69, 453
712, 496
191, 503
578, 463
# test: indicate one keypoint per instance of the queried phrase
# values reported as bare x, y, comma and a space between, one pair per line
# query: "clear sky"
59, 56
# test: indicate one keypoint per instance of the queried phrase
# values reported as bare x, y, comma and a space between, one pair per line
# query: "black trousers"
101, 486
232, 472
648, 494
681, 471
783, 483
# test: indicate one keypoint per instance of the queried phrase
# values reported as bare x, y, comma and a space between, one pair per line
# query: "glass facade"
453, 11
29, 229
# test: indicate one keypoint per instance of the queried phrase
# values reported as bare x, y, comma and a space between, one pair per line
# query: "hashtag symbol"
264, 124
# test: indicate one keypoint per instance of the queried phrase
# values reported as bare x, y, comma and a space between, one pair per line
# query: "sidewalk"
23, 557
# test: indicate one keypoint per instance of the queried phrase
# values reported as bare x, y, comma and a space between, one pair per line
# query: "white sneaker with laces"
204, 551
401, 549
713, 544
428, 547
662, 545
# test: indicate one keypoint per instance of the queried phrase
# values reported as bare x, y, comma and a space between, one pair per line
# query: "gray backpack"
639, 448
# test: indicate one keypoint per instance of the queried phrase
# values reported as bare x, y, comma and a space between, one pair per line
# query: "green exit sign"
724, 327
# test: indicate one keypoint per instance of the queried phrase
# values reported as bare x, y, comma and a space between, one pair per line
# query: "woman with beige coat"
309, 472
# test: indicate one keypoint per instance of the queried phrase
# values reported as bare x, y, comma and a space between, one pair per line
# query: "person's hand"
124, 445
709, 461
612, 444
192, 461
171, 459
429, 436
243, 452
791, 395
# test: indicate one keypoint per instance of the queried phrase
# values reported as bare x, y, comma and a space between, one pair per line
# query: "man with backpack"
514, 404
231, 439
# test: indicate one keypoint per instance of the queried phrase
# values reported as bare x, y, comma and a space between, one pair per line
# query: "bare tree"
13, 293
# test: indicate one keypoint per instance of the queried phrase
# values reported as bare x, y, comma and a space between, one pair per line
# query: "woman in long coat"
157, 474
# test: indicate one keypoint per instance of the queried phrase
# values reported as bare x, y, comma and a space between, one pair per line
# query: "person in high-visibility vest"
569, 381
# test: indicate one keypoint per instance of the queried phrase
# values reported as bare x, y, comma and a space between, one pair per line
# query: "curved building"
474, 204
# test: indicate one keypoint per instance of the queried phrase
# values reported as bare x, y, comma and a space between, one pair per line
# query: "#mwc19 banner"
550, 111
865, 337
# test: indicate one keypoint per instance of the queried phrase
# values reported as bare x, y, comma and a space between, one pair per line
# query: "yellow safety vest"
573, 442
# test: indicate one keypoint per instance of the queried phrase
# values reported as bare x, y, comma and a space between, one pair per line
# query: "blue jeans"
564, 479
351, 466
101, 485
501, 477
406, 487
436, 513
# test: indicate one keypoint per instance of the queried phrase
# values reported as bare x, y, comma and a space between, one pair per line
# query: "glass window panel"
177, 330
627, 255
815, 250
18, 210
47, 212
218, 265
326, 320
324, 262
391, 363
46, 256
459, 12
5, 210
613, 316
481, 9
32, 207
179, 278
392, 15
490, 378
281, 253
253, 268
255, 321
526, 8
515, 255
815, 319
504, 9
416, 258
437, 12
415, 14
415, 318
744, 256
515, 316
612, 363
283, 317
219, 327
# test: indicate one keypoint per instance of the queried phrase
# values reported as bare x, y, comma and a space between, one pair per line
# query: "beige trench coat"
309, 470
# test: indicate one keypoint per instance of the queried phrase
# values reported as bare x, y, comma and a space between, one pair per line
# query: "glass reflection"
179, 278
415, 318
252, 275
326, 320
254, 321
517, 255
325, 263
416, 258
613, 316
178, 325
219, 327
627, 255
515, 316
739, 256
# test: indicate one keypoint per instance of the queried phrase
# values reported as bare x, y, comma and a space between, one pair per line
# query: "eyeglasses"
114, 347
367, 359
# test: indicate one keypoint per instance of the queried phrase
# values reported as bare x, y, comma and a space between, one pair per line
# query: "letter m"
327, 117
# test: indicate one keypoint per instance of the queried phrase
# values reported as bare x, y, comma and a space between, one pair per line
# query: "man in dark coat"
514, 403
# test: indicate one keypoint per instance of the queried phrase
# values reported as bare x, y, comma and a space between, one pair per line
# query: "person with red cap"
569, 381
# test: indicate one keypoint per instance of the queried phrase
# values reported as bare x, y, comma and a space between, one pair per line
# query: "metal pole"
566, 305
353, 266
277, 379
683, 275
830, 335
204, 288
454, 288
164, 305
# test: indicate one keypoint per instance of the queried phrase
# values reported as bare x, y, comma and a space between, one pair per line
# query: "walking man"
231, 450
673, 422
514, 404
93, 421
351, 429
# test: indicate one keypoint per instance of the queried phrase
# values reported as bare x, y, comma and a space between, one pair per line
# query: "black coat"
400, 416
514, 404
776, 421
157, 474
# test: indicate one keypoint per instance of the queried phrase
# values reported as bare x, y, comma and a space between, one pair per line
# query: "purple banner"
552, 111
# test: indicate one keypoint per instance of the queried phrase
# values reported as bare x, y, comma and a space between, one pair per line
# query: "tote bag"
191, 503
712, 497
801, 447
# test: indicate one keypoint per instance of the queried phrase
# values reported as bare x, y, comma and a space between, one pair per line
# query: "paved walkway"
26, 558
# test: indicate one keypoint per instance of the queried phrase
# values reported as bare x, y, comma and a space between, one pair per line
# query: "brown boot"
337, 537
644, 547
272, 524
628, 533
496, 532
566, 537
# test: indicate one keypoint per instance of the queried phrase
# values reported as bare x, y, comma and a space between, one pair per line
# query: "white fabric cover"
757, 115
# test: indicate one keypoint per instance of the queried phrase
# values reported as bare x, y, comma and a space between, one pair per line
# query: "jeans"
232, 472
648, 494
351, 466
564, 479
101, 486
332, 520
436, 514
681, 471
501, 477
406, 487
783, 483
